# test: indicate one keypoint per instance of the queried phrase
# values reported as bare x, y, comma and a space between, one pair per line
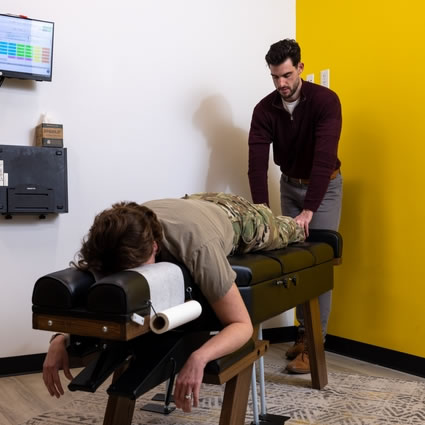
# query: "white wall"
155, 98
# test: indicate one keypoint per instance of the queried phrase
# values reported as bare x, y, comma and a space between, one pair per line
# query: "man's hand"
304, 219
56, 358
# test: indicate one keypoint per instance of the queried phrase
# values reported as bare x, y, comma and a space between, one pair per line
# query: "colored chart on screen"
26, 46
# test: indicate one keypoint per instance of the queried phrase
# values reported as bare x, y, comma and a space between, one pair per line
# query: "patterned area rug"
348, 399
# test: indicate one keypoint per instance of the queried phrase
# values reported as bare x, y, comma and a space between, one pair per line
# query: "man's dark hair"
282, 50
120, 238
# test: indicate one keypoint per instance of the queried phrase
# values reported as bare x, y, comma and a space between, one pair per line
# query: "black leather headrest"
123, 292
63, 289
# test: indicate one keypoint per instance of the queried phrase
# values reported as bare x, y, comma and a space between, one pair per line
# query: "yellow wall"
376, 55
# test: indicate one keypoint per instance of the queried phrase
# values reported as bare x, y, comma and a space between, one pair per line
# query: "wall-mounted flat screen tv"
26, 48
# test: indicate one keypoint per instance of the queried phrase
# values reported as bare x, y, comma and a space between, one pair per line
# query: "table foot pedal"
269, 419
161, 397
157, 408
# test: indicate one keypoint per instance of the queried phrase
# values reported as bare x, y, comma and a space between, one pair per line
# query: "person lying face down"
199, 230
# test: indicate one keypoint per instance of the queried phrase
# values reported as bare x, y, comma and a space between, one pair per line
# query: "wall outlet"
325, 78
310, 78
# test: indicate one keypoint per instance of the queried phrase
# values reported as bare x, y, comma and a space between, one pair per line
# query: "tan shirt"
200, 235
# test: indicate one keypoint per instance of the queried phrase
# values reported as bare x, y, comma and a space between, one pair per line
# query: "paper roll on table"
175, 316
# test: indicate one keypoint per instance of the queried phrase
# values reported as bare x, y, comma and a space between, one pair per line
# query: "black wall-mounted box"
33, 180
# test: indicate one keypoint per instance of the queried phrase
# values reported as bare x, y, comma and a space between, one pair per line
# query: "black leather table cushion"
254, 268
275, 281
270, 283
330, 237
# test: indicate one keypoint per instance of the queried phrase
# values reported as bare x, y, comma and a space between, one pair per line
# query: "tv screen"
26, 48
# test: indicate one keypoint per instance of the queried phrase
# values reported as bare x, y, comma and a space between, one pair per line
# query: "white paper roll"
166, 284
175, 316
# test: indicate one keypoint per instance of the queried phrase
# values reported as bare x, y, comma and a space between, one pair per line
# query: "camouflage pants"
255, 227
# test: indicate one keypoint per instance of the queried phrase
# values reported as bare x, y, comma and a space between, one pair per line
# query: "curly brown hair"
282, 50
121, 237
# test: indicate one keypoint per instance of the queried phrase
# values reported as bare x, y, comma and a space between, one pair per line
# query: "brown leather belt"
307, 181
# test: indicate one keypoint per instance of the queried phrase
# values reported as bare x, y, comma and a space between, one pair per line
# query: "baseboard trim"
396, 360
20, 365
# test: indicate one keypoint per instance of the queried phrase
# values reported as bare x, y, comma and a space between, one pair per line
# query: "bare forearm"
225, 342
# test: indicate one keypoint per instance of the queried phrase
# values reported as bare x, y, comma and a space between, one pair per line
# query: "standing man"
302, 121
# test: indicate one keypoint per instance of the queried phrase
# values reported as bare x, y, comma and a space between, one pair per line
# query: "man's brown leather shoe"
301, 364
298, 347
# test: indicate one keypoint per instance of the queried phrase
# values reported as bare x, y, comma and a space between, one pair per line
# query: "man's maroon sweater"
304, 145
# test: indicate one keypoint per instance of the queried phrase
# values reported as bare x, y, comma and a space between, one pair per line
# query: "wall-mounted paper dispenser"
33, 180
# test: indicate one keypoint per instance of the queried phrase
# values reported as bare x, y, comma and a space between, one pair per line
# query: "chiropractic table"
109, 322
